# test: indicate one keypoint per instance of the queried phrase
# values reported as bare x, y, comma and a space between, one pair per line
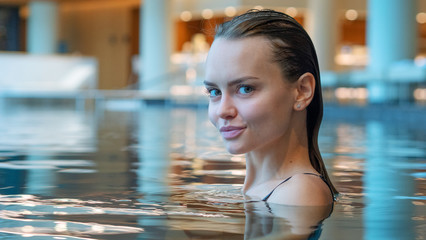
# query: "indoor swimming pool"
137, 171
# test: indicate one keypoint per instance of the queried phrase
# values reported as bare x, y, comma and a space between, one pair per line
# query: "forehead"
222, 46
247, 56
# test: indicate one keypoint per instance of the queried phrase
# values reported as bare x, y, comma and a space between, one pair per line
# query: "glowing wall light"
291, 11
186, 16
421, 17
351, 14
230, 11
420, 94
207, 13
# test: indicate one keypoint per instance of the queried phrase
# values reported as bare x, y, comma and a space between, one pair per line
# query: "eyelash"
209, 90
245, 86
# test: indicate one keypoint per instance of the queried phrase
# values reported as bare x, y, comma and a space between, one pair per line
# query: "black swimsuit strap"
267, 196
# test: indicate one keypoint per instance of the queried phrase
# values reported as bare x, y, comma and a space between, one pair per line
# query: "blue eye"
214, 92
245, 89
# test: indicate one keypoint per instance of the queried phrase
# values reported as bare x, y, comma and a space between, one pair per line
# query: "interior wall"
422, 38
104, 33
353, 32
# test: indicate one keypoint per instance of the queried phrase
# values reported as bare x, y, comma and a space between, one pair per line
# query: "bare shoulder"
303, 190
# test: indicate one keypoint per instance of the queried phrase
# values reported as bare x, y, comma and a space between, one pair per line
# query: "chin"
236, 149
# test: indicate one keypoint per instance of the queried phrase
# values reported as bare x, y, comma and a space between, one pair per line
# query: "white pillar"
321, 24
391, 32
391, 37
42, 27
156, 44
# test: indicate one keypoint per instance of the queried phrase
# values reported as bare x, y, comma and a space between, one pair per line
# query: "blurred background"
370, 51
102, 101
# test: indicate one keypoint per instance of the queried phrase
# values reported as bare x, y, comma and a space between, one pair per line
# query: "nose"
227, 108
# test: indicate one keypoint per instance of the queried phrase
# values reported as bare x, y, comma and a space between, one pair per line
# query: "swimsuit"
315, 235
267, 196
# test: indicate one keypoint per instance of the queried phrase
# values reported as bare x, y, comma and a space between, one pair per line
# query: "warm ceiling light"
186, 16
421, 17
291, 11
207, 13
258, 7
230, 11
351, 14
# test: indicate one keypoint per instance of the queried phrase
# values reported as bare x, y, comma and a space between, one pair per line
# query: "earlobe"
305, 87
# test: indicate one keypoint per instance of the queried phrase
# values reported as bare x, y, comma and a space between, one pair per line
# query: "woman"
262, 76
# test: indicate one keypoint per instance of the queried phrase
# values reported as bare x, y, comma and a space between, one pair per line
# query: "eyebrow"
233, 82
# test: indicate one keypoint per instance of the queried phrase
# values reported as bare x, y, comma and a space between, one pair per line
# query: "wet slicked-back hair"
294, 51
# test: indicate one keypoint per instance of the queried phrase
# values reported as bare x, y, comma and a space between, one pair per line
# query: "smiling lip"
230, 132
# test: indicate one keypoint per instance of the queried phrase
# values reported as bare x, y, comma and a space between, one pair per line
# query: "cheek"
267, 112
212, 115
256, 110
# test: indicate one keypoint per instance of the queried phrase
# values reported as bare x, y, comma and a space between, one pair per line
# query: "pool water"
135, 171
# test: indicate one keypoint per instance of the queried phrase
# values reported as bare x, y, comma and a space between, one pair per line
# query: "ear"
305, 89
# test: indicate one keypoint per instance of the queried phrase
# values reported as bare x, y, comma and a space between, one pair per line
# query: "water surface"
161, 172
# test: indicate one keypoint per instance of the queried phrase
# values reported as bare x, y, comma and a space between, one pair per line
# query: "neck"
272, 163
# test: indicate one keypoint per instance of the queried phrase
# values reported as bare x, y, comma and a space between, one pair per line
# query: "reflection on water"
163, 173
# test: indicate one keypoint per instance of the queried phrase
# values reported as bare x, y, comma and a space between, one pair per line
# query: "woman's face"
251, 103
